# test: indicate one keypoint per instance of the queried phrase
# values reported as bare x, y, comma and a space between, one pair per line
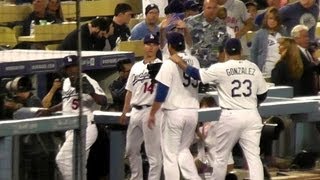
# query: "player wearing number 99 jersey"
241, 87
178, 95
140, 95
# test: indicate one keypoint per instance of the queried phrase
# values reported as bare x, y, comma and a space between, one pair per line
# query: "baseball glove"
153, 70
87, 87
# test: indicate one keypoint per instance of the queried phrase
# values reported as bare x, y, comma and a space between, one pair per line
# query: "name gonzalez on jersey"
240, 70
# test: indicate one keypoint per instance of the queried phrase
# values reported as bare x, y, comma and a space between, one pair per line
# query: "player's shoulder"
137, 65
90, 79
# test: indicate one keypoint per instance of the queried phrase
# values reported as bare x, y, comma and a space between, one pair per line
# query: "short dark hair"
176, 41
102, 23
121, 63
122, 8
208, 101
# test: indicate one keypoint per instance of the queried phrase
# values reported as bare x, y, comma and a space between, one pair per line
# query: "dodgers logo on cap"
151, 38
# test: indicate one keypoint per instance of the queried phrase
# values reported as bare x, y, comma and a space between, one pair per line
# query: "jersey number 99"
189, 81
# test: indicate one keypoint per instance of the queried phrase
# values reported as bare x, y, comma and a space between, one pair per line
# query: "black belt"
137, 107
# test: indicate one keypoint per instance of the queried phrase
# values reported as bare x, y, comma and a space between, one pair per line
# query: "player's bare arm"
49, 111
126, 108
189, 70
179, 61
152, 116
99, 99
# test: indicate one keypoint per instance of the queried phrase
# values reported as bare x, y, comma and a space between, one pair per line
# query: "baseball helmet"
20, 84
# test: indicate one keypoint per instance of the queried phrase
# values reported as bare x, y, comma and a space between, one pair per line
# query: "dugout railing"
11, 128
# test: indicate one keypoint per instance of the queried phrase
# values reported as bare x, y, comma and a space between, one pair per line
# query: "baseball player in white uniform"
139, 97
92, 97
241, 87
178, 95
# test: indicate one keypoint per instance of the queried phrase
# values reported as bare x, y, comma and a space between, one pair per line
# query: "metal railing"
11, 128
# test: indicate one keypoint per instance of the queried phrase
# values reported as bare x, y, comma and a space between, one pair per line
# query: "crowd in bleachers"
284, 46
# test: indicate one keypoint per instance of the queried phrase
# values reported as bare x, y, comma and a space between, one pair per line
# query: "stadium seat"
8, 37
134, 46
52, 46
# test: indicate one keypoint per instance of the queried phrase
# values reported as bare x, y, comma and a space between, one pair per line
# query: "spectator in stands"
304, 12
271, 3
122, 15
54, 8
311, 67
93, 36
239, 20
252, 9
39, 13
208, 33
191, 8
264, 49
117, 88
289, 69
223, 15
149, 25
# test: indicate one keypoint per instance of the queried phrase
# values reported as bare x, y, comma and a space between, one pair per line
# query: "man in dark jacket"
93, 36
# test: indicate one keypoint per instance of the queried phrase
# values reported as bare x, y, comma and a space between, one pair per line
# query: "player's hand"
87, 88
176, 58
56, 84
151, 121
164, 23
123, 119
181, 24
43, 112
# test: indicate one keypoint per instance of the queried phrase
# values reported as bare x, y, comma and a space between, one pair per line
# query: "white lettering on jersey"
140, 77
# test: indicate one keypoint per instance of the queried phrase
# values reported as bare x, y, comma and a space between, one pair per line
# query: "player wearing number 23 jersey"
177, 94
241, 87
140, 95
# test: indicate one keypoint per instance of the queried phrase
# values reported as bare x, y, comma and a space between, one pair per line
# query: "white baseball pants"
177, 135
138, 132
243, 126
65, 155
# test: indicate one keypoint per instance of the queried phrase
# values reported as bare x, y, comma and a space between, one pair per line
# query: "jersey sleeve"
262, 84
97, 89
165, 73
210, 74
129, 85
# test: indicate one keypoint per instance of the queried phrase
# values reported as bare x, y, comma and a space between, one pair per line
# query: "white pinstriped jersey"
71, 101
183, 90
238, 83
139, 83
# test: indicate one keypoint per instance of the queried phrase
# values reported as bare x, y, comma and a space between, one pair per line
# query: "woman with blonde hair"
289, 69
264, 50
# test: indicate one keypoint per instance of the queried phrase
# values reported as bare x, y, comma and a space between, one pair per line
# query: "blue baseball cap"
150, 7
233, 46
176, 39
190, 5
151, 38
71, 60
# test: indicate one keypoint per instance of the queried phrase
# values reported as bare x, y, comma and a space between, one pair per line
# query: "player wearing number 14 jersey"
178, 95
140, 95
241, 87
